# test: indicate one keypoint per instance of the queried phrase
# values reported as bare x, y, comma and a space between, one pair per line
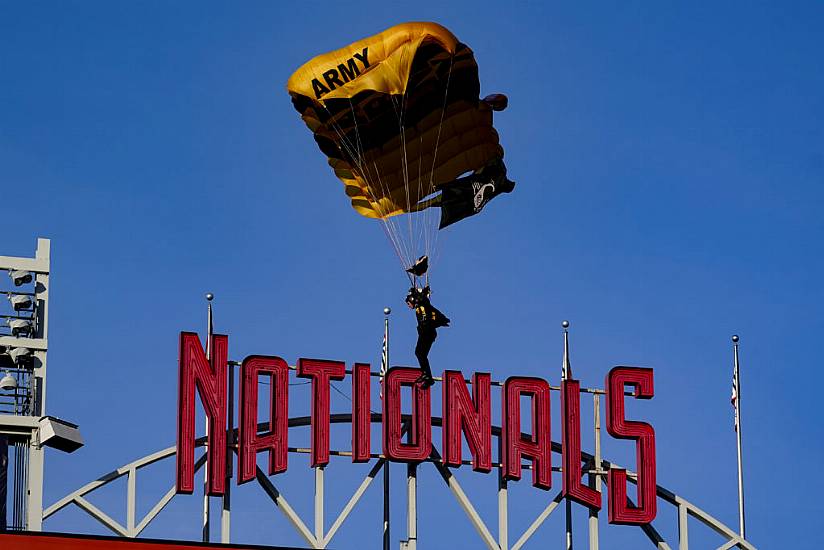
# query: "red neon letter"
195, 371
571, 424
620, 511
421, 433
361, 414
538, 446
459, 414
275, 439
321, 372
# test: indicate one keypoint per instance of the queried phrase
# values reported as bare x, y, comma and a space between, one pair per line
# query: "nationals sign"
467, 414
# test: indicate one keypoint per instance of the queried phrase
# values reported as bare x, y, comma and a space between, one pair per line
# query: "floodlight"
59, 434
8, 382
20, 356
20, 301
20, 277
20, 327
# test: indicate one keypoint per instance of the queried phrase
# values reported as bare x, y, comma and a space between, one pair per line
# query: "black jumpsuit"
429, 319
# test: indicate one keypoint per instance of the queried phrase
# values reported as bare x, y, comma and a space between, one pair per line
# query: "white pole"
209, 298
595, 480
226, 512
738, 436
384, 367
566, 374
319, 505
411, 506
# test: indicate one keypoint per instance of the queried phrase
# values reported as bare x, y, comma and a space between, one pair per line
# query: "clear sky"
669, 162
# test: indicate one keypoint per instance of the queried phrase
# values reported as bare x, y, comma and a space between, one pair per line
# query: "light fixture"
20, 277
20, 356
8, 382
20, 327
60, 434
20, 302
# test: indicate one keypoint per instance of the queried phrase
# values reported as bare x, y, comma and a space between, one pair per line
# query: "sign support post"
738, 437
384, 367
566, 373
225, 514
209, 330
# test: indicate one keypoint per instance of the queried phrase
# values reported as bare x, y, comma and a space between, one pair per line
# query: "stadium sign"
466, 415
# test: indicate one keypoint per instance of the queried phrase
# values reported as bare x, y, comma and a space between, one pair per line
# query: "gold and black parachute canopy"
398, 115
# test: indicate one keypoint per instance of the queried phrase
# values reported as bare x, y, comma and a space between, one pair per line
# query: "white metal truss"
21, 423
316, 536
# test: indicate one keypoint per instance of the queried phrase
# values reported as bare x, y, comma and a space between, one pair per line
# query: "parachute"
398, 116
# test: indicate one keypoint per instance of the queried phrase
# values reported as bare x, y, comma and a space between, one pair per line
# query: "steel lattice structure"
23, 423
317, 536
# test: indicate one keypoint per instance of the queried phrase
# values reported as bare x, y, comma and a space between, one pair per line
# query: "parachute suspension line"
436, 231
406, 257
354, 153
391, 227
356, 156
399, 113
426, 214
406, 189
414, 219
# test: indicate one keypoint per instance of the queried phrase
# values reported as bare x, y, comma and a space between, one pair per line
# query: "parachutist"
429, 320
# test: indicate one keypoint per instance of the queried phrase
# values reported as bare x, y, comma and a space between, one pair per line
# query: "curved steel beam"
685, 507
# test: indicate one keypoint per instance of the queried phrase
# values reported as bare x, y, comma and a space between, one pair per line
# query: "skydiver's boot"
425, 380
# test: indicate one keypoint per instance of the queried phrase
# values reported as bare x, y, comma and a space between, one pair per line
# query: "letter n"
208, 378
275, 434
620, 510
537, 446
474, 419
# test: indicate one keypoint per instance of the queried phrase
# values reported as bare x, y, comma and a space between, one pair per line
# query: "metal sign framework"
317, 535
23, 424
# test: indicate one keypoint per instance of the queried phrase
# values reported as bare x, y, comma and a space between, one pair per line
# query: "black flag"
467, 196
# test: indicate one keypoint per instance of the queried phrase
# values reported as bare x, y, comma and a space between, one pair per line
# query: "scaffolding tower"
25, 429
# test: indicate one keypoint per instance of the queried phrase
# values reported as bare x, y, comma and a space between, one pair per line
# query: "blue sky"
669, 166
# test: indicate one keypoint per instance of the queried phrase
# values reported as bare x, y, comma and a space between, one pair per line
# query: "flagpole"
566, 374
209, 331
384, 367
738, 436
